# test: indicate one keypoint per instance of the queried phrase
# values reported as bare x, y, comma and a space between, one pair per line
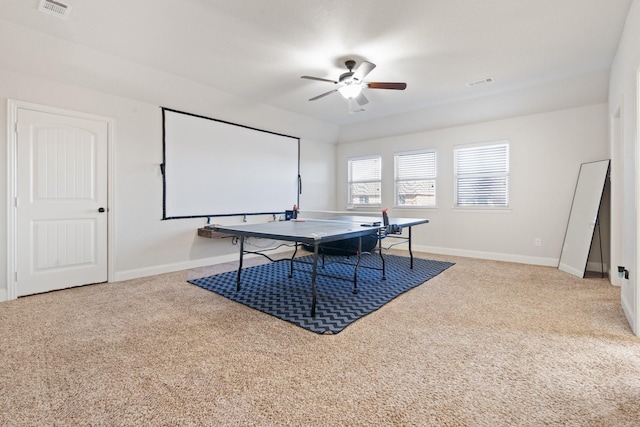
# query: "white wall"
546, 151
144, 244
623, 99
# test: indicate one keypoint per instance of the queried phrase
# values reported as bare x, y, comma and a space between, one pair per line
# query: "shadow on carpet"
269, 289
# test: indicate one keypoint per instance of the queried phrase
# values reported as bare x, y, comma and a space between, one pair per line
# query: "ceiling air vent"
481, 82
55, 8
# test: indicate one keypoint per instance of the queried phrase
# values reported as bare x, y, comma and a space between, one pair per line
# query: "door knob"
101, 210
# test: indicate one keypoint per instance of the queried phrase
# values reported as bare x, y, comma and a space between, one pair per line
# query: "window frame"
505, 174
397, 179
350, 181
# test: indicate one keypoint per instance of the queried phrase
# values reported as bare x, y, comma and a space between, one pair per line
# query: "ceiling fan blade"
364, 69
324, 94
386, 85
319, 79
361, 99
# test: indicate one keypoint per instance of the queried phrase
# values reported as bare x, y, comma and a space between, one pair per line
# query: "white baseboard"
494, 256
614, 279
186, 265
629, 314
593, 267
170, 268
179, 266
597, 267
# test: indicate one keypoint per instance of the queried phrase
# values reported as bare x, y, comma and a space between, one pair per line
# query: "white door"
61, 235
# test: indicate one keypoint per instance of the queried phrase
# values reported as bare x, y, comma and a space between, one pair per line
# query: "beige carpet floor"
483, 344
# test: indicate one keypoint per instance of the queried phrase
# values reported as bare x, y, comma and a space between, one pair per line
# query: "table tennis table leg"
384, 272
410, 253
295, 251
240, 265
355, 270
314, 274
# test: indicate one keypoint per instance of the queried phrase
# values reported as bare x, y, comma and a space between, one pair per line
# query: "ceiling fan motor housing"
346, 77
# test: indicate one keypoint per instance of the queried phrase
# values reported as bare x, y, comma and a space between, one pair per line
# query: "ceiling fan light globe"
350, 91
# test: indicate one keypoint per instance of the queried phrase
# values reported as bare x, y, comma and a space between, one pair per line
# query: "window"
365, 181
482, 175
415, 178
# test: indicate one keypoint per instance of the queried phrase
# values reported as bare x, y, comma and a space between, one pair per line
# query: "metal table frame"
353, 230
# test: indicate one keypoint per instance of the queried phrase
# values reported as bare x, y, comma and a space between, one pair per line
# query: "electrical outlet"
537, 241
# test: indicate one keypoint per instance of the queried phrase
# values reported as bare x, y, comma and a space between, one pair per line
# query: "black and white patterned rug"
269, 289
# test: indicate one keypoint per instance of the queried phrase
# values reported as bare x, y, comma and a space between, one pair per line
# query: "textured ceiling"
259, 49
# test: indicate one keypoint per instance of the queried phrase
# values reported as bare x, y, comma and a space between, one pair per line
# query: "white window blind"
415, 178
365, 181
482, 175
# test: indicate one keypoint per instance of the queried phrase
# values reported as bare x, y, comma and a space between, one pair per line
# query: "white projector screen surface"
216, 168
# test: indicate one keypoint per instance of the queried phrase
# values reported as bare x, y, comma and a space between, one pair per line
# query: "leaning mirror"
583, 217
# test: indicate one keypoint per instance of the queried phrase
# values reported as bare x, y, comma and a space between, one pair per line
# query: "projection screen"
216, 168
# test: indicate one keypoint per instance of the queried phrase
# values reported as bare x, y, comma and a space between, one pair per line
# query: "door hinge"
16, 202
16, 279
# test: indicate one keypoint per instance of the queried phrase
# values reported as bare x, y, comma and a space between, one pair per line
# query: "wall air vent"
481, 82
55, 8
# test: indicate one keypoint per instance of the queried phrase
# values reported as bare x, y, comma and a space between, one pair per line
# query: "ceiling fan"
352, 82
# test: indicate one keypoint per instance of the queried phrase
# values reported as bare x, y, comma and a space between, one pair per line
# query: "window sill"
361, 207
415, 207
476, 209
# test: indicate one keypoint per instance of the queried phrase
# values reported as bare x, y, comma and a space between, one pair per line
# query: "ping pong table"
316, 232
